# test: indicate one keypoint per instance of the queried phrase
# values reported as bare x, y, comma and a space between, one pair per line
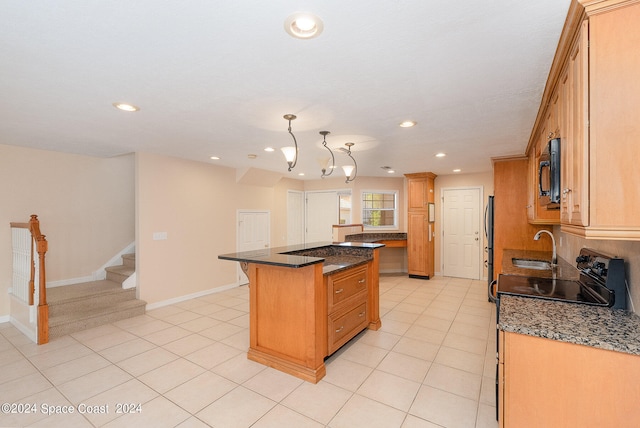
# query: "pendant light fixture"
333, 159
348, 169
291, 153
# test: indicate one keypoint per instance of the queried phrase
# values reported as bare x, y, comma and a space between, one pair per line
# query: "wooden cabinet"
537, 213
614, 125
346, 306
545, 383
420, 239
298, 316
593, 95
573, 89
511, 229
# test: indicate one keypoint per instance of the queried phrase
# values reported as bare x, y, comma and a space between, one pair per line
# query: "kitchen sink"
531, 264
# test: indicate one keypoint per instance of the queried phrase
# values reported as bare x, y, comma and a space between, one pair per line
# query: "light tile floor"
432, 364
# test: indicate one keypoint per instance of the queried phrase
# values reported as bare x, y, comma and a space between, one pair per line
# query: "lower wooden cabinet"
548, 383
343, 326
346, 306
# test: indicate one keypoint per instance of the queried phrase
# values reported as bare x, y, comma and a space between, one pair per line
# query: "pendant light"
291, 153
333, 159
348, 169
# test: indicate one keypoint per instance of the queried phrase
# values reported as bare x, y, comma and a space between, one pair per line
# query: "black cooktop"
554, 289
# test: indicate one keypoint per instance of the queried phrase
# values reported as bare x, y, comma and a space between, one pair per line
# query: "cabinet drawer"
344, 326
343, 285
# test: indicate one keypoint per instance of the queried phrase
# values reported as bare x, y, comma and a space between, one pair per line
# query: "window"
379, 209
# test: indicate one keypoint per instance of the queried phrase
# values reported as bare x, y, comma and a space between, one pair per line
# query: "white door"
322, 214
295, 217
461, 241
253, 234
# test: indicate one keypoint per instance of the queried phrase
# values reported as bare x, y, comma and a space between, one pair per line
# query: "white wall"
85, 206
195, 203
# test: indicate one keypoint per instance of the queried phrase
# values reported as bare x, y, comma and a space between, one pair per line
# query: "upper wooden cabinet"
593, 95
420, 190
574, 94
420, 240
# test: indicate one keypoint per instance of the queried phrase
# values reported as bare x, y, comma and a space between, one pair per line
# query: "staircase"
90, 304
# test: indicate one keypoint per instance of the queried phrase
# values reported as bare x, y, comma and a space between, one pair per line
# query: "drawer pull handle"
340, 329
361, 314
339, 291
361, 281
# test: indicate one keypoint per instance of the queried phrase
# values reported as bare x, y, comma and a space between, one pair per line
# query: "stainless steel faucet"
554, 256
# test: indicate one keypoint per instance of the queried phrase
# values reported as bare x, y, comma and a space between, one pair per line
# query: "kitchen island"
306, 301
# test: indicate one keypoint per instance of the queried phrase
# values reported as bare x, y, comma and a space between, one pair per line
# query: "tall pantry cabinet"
420, 230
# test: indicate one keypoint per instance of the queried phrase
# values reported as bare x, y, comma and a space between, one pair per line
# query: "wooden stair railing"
41, 247
43, 308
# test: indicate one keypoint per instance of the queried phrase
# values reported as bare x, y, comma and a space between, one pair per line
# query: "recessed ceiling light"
269, 149
388, 169
303, 25
126, 107
440, 155
408, 123
215, 158
457, 170
252, 156
301, 174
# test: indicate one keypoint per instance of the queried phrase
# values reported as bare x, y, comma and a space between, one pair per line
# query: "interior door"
253, 234
295, 217
461, 225
321, 215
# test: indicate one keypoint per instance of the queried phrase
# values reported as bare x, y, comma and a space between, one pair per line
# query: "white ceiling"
216, 77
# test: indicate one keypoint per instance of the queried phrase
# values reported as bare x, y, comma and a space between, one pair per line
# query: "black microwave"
549, 175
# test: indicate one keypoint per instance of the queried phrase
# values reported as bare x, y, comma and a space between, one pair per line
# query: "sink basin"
531, 264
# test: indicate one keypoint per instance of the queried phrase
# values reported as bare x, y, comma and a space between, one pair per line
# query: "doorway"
321, 214
253, 234
461, 232
295, 217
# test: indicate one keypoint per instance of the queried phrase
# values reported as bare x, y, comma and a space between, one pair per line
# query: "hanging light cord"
333, 159
295, 142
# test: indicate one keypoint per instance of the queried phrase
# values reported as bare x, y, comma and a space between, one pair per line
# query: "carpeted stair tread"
86, 305
96, 311
93, 317
129, 260
123, 270
82, 290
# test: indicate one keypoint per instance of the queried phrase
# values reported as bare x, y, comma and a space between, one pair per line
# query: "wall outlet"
159, 236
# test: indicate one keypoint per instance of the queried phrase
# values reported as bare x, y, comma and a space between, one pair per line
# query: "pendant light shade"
350, 171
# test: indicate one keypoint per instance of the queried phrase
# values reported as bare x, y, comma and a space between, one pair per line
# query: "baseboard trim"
5, 318
156, 305
24, 329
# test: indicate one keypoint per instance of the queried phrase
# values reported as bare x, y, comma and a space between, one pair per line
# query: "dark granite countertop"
376, 237
599, 327
335, 256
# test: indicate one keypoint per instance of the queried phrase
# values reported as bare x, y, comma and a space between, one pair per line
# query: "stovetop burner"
553, 289
601, 283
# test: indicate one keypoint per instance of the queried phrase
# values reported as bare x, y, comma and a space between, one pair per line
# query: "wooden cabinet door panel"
417, 244
343, 285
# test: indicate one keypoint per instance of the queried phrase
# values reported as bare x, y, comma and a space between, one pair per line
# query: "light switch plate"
159, 236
